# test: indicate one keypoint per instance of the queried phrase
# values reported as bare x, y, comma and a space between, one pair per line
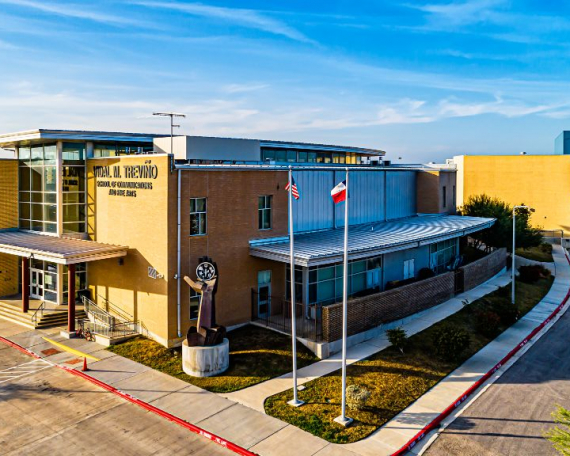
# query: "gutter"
178, 255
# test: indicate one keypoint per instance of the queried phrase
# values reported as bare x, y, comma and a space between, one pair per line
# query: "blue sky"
421, 80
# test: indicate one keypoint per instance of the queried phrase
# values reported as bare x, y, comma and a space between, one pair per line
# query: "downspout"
178, 255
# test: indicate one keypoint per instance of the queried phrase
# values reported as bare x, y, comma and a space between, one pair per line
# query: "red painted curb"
438, 419
191, 427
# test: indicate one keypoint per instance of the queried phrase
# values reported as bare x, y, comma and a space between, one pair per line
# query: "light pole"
172, 115
513, 252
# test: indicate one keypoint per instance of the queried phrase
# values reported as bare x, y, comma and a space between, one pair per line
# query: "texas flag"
339, 192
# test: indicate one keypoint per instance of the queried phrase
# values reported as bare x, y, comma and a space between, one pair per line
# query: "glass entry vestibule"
49, 281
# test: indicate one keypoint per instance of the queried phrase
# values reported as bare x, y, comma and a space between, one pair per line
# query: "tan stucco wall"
539, 181
8, 219
141, 223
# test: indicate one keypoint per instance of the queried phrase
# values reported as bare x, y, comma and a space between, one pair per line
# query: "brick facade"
232, 221
374, 310
371, 311
482, 270
9, 264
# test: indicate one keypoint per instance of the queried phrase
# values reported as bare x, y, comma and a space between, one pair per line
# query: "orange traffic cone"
85, 368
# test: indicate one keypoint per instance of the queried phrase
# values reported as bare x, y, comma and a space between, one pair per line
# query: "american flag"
295, 189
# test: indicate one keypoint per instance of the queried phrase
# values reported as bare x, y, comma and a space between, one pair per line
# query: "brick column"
71, 298
25, 284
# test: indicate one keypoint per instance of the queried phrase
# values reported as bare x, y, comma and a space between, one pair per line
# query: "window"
442, 254
326, 282
264, 212
454, 198
198, 216
194, 304
444, 195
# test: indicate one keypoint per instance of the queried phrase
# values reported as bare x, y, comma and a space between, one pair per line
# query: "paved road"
511, 417
46, 411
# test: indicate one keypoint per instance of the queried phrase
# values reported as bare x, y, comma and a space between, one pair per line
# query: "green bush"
356, 397
398, 338
506, 310
449, 342
487, 322
533, 273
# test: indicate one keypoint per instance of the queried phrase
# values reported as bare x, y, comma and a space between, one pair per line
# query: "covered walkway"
66, 251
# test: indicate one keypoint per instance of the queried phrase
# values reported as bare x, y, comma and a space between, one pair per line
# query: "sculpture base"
205, 361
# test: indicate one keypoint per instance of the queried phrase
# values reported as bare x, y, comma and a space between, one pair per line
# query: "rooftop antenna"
172, 115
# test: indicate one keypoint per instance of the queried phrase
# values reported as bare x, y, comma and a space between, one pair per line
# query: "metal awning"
325, 247
60, 250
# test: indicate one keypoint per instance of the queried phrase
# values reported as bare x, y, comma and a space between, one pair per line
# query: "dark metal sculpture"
207, 333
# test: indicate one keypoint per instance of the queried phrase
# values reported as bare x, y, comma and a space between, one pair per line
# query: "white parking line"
24, 369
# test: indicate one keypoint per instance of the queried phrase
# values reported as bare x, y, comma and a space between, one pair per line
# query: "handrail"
40, 309
120, 312
97, 313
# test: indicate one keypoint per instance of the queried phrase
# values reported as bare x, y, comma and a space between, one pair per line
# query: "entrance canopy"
326, 247
60, 250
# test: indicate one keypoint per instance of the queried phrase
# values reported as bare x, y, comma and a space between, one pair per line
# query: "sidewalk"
255, 395
397, 432
234, 422
267, 436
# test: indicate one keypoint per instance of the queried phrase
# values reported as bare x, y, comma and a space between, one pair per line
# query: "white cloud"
75, 11
243, 17
241, 88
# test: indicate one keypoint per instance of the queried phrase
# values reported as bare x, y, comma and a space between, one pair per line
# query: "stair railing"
39, 313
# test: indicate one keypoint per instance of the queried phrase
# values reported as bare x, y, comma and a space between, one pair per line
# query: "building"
538, 181
120, 220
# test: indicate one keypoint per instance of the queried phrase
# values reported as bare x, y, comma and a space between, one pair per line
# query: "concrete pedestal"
205, 361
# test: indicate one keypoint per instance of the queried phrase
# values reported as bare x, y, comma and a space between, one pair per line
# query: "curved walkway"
397, 432
255, 395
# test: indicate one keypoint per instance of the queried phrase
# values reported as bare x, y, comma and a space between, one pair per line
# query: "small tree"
560, 435
398, 338
501, 233
450, 342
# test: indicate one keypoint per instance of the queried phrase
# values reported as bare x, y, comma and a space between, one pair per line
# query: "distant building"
96, 214
539, 181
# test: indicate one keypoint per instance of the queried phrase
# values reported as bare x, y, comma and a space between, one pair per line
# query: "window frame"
201, 214
265, 211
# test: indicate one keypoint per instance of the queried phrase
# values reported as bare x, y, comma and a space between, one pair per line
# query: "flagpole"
342, 419
295, 402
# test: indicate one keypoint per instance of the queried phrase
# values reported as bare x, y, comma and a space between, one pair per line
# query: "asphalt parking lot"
47, 411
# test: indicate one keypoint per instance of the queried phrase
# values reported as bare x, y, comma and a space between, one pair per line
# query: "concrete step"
48, 320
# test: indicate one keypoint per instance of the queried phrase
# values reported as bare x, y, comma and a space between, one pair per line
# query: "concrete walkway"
234, 422
403, 427
255, 395
250, 428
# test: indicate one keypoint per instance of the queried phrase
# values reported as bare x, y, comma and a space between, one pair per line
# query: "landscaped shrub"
533, 273
398, 338
507, 312
450, 342
487, 322
356, 397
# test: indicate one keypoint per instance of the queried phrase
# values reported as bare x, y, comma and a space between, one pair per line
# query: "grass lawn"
394, 379
256, 355
541, 253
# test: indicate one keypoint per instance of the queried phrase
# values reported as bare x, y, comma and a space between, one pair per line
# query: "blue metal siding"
393, 263
375, 196
400, 194
366, 205
314, 210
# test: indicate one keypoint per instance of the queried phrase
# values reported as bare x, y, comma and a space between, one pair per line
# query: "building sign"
114, 178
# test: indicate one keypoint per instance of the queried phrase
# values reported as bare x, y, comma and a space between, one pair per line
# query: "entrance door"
263, 294
37, 284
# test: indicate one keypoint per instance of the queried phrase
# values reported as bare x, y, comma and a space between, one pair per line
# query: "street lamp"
513, 252
172, 115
